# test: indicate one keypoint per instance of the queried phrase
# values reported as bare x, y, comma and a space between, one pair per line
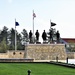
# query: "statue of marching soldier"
58, 36
32, 39
52, 37
44, 36
30, 36
37, 36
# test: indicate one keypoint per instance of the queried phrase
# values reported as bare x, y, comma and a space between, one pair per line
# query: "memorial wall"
40, 52
46, 51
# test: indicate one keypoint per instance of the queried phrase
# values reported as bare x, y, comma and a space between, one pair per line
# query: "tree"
3, 46
25, 36
4, 34
12, 38
7, 38
19, 42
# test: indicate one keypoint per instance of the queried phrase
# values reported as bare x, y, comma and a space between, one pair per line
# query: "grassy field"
36, 69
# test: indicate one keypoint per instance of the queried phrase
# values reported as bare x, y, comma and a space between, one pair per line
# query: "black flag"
53, 24
16, 24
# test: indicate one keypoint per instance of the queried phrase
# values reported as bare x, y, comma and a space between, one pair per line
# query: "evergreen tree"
25, 36
3, 46
19, 42
12, 38
4, 34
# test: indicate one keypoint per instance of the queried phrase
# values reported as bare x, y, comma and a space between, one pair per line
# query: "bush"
3, 46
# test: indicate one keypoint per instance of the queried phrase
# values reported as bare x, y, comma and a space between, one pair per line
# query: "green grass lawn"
36, 69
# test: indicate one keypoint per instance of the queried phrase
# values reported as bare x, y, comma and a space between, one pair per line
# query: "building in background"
69, 43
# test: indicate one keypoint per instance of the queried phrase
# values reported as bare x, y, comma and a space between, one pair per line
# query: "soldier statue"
44, 36
37, 36
30, 36
51, 35
58, 36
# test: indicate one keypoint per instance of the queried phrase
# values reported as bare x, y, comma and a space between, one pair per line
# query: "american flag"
34, 15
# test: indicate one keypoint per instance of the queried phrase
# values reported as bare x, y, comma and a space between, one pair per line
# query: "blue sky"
61, 12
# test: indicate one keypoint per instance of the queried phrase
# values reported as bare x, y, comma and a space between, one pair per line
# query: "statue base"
46, 51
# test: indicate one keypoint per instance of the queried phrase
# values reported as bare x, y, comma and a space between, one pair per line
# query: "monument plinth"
46, 51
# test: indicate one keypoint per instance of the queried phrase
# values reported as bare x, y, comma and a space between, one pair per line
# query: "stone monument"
46, 51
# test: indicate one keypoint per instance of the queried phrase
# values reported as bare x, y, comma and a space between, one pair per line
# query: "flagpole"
33, 26
33, 23
15, 36
50, 23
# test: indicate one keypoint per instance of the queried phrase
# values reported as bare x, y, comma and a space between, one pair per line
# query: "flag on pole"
53, 24
16, 24
34, 15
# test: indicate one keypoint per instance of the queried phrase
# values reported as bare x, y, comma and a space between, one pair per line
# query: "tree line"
7, 39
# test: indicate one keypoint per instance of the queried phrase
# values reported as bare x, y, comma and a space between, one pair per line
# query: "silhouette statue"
44, 36
30, 36
37, 36
58, 36
51, 35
